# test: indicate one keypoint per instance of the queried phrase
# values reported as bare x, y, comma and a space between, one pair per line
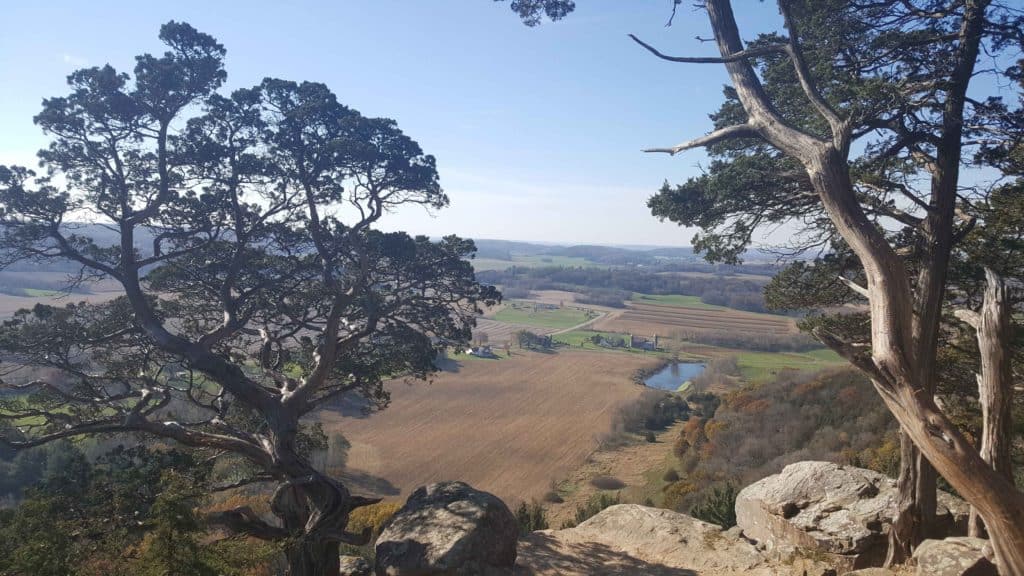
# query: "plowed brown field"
500, 332
664, 320
510, 426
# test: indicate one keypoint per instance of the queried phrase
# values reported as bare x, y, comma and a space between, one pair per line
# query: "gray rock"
448, 529
958, 556
355, 566
735, 533
870, 572
628, 539
840, 510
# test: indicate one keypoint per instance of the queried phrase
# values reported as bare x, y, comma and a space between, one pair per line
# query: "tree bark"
994, 330
913, 515
893, 361
306, 558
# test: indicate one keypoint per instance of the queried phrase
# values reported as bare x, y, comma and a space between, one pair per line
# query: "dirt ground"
629, 463
511, 426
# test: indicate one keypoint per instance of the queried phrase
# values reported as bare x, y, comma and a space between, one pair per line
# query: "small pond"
673, 376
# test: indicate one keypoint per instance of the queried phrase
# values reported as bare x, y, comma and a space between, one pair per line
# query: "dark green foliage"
172, 546
650, 437
531, 517
718, 506
595, 504
670, 475
83, 515
530, 340
533, 12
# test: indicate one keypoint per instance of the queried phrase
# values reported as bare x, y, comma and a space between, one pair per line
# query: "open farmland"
542, 315
500, 332
500, 425
679, 321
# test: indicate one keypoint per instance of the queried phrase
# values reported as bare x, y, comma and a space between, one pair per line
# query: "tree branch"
729, 132
840, 131
735, 57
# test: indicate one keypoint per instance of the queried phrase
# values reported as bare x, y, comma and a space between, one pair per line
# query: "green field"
520, 312
675, 300
762, 366
38, 293
581, 339
480, 264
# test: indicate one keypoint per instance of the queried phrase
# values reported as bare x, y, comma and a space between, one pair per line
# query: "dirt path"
582, 325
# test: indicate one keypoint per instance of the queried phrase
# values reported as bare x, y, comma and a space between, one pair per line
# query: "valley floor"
511, 426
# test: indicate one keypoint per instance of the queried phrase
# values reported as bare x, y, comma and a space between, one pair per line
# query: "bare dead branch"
736, 57
729, 132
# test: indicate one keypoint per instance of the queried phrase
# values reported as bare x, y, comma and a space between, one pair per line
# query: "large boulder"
633, 539
955, 557
841, 511
448, 529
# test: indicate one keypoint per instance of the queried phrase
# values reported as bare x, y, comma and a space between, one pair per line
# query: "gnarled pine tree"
256, 288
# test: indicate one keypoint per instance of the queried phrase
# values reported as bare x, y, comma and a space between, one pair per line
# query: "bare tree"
904, 316
994, 328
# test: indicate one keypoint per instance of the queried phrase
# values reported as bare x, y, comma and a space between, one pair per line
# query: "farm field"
679, 321
675, 300
500, 332
543, 316
38, 290
500, 425
762, 366
481, 264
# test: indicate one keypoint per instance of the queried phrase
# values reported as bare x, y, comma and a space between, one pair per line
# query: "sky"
537, 131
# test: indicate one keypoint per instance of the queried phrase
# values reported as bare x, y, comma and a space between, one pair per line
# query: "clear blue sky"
537, 131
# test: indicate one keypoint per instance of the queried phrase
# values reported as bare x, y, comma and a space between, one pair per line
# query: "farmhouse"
643, 343
483, 351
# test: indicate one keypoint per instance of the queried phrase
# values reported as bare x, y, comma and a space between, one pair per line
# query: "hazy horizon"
537, 131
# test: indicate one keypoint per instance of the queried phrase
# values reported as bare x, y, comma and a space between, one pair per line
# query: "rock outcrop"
448, 529
633, 539
841, 511
355, 566
959, 556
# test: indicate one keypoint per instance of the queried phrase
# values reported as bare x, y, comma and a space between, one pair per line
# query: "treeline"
761, 341
756, 431
16, 284
611, 286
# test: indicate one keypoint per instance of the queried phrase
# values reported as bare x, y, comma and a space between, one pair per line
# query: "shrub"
671, 475
676, 494
374, 517
531, 517
607, 483
718, 506
553, 497
596, 503
650, 437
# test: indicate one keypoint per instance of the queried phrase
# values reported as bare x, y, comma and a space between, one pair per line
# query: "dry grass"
509, 426
670, 320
